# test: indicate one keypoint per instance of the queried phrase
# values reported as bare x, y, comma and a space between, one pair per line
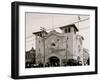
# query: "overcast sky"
50, 21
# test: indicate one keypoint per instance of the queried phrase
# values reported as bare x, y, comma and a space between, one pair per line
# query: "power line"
28, 37
30, 41
71, 23
56, 28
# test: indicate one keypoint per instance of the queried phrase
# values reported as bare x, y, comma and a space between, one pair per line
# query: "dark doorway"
54, 61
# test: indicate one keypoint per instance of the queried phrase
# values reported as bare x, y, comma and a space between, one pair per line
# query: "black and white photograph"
57, 40
51, 40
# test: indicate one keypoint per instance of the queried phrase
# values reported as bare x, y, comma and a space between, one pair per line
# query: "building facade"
58, 48
30, 58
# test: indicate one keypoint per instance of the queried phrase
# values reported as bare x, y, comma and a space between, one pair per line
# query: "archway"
54, 61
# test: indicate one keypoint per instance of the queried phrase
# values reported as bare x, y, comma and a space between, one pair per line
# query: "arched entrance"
54, 61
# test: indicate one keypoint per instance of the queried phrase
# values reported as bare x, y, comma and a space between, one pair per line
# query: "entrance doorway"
54, 61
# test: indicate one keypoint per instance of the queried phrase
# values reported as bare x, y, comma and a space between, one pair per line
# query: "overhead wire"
79, 20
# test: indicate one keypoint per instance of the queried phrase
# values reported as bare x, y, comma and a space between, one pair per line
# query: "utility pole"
43, 36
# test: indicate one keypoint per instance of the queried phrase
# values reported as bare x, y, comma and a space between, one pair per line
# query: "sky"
52, 21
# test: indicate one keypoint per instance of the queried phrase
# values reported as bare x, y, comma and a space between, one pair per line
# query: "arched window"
53, 44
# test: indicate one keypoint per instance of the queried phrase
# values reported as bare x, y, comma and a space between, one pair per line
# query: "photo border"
15, 39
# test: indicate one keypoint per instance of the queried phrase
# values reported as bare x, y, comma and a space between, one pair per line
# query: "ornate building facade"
57, 48
30, 58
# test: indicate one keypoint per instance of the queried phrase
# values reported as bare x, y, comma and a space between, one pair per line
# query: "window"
57, 39
68, 30
65, 30
67, 38
79, 48
39, 41
39, 49
40, 35
53, 44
